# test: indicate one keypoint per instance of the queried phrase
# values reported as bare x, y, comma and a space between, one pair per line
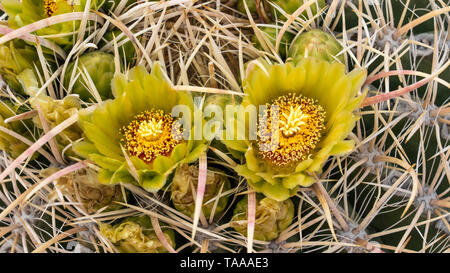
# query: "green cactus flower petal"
272, 217
317, 44
306, 139
138, 122
182, 197
136, 235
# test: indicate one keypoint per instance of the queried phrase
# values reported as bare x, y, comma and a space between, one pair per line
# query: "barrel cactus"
289, 126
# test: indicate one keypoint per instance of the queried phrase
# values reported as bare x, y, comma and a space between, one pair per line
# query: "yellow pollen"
50, 7
292, 122
300, 125
151, 134
151, 129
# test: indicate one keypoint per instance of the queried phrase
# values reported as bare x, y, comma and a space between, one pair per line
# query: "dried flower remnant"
272, 217
83, 186
186, 179
136, 235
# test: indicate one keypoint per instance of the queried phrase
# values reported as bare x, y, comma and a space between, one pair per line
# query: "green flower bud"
290, 6
271, 34
100, 67
272, 217
186, 179
317, 44
15, 58
136, 235
83, 186
57, 111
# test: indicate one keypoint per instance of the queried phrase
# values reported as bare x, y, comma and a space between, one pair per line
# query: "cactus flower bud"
317, 44
100, 67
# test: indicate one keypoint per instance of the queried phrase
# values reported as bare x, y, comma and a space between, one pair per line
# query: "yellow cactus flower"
133, 138
316, 100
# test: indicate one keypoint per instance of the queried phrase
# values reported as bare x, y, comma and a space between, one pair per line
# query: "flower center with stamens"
300, 125
291, 124
50, 7
150, 130
151, 134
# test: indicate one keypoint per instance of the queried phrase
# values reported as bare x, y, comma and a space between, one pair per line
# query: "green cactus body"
100, 67
317, 44
126, 50
182, 197
272, 217
251, 4
265, 8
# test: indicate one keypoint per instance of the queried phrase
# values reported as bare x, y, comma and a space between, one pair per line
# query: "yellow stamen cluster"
150, 134
300, 122
50, 7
